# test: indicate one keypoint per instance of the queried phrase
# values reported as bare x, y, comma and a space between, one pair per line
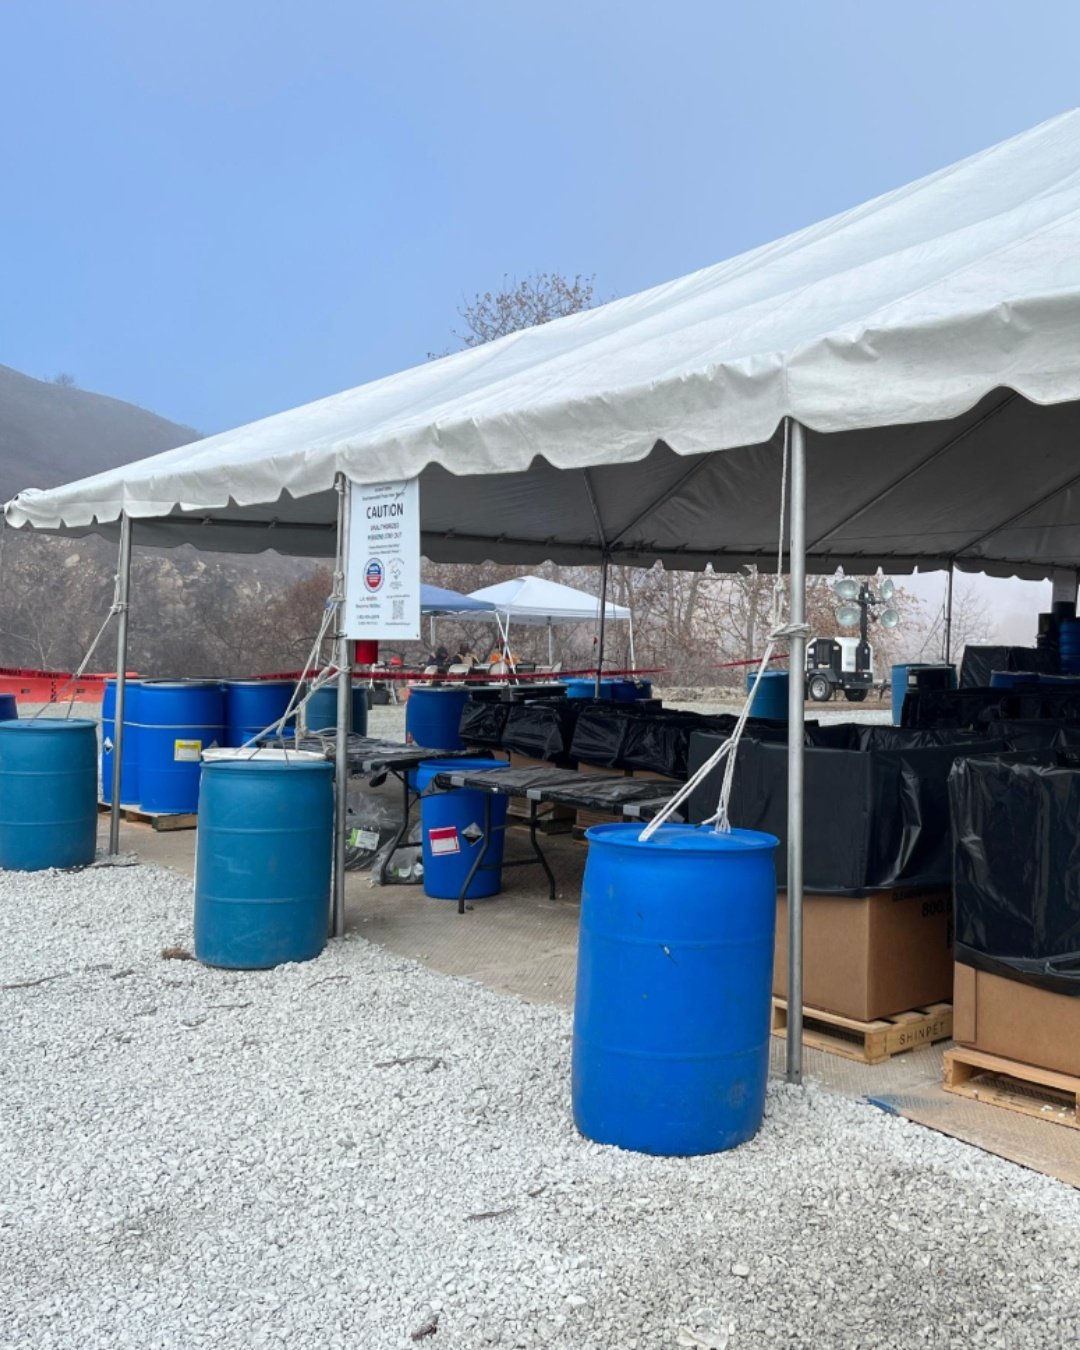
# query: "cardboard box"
653, 777
1017, 1021
871, 956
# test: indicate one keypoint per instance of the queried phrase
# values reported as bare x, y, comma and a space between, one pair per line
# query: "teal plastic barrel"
771, 699
263, 861
177, 721
48, 794
674, 983
321, 709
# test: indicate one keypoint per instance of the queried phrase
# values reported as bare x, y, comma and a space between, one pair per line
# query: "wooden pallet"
868, 1042
158, 820
1032, 1091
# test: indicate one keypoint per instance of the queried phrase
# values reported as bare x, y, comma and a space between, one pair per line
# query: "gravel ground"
358, 1152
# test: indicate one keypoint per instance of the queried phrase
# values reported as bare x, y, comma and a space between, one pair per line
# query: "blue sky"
221, 208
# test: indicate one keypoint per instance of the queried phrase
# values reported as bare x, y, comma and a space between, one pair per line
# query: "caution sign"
382, 561
443, 839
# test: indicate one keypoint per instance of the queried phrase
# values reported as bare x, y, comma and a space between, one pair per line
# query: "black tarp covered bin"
483, 722
543, 729
979, 663
1016, 832
876, 802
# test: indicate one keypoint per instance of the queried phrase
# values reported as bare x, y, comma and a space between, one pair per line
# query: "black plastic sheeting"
543, 729
600, 733
587, 792
979, 663
1017, 866
483, 722
983, 707
876, 809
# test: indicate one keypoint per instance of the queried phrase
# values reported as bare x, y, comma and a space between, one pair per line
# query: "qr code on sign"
397, 611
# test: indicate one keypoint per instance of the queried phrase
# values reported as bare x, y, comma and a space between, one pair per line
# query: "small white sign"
443, 839
382, 563
187, 752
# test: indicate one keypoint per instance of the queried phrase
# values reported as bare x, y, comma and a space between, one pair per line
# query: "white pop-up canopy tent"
920, 353
536, 600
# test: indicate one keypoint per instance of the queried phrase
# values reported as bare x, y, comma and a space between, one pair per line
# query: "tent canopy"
927, 340
537, 600
438, 600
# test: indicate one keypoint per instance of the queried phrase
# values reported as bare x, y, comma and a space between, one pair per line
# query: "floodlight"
886, 590
846, 589
889, 618
847, 616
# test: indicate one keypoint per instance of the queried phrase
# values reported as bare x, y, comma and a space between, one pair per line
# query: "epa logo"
374, 575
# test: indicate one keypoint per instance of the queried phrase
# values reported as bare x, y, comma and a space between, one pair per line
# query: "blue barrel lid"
256, 765
30, 724
683, 838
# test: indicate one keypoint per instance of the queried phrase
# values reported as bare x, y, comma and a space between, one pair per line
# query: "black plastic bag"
1016, 831
600, 733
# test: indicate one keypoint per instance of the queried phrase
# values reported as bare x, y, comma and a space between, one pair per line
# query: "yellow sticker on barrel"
187, 752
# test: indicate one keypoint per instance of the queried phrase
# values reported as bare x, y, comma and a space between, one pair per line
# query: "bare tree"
534, 300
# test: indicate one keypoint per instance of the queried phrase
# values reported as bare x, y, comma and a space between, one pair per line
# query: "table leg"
539, 852
480, 855
402, 834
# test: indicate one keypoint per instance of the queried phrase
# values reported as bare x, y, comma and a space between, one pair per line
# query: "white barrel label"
187, 752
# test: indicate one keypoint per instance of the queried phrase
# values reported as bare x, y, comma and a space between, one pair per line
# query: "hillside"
51, 433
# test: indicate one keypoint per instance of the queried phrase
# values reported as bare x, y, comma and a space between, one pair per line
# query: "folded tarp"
876, 811
1017, 866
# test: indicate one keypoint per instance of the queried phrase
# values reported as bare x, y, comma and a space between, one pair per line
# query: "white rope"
729, 749
73, 679
322, 677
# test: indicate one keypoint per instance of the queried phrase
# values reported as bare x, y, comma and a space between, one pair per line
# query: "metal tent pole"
633, 656
948, 614
123, 585
344, 714
603, 620
551, 648
796, 699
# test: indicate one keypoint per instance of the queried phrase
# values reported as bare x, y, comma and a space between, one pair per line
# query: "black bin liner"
928, 708
979, 663
600, 733
543, 729
483, 722
876, 811
1017, 866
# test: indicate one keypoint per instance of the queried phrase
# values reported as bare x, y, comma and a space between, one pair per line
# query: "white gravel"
355, 1151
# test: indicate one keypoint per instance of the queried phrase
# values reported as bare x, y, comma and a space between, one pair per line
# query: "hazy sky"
222, 208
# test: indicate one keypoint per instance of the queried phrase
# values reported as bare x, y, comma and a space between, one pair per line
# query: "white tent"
926, 342
921, 354
535, 600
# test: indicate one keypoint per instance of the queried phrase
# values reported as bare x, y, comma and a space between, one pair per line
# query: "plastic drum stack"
1069, 646
178, 720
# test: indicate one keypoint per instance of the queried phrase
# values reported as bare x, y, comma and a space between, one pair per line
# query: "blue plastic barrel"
321, 709
9, 708
253, 705
1069, 646
48, 793
1014, 679
129, 766
674, 982
444, 819
903, 679
263, 862
177, 721
771, 699
582, 688
432, 717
